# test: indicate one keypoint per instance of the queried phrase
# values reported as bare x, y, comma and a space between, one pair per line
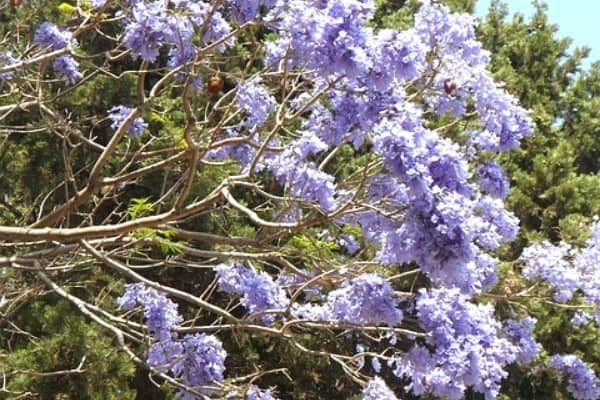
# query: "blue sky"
578, 19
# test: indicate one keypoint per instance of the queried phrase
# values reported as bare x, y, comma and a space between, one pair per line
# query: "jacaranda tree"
277, 182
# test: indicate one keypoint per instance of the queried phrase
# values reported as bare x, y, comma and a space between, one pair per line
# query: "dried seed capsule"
215, 84
449, 86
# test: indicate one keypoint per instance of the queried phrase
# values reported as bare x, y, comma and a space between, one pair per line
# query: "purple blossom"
308, 183
308, 144
7, 59
215, 29
365, 300
180, 38
203, 362
501, 116
160, 313
378, 390
163, 355
397, 55
463, 61
583, 383
493, 180
440, 240
243, 11
466, 349
148, 30
258, 290
292, 282
520, 333
388, 190
547, 261
581, 318
587, 263
302, 178
242, 152
256, 393
158, 24
568, 270
95, 4
495, 224
312, 311
118, 114
350, 244
326, 36
68, 69
49, 35
199, 359
256, 101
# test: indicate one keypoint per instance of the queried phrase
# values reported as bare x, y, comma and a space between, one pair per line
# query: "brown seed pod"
215, 84
449, 86
14, 3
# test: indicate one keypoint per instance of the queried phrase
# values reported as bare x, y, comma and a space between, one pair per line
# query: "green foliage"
139, 208
307, 247
62, 338
164, 239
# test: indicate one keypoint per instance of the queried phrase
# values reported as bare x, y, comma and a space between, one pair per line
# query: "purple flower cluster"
461, 76
198, 359
241, 152
67, 68
350, 244
520, 333
172, 24
254, 98
243, 11
160, 313
50, 36
366, 300
7, 59
202, 362
378, 390
466, 348
255, 393
326, 36
302, 178
568, 270
259, 291
118, 114
547, 261
587, 263
148, 30
307, 182
493, 180
583, 383
446, 226
441, 219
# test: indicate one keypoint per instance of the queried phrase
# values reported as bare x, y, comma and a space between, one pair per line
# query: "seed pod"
215, 84
449, 86
14, 3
